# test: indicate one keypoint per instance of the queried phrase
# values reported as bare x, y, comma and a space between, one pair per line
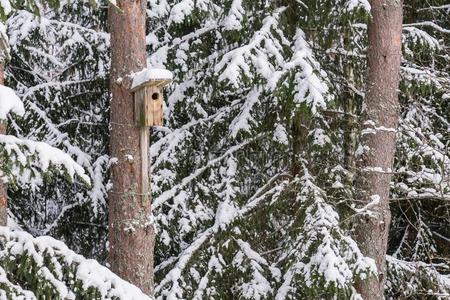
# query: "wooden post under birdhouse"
148, 111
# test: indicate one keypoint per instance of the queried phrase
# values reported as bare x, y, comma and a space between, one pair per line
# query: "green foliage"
253, 171
44, 268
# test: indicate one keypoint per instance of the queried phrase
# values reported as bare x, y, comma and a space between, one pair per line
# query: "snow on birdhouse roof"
151, 76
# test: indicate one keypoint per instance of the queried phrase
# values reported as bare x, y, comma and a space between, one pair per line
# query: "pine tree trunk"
3, 191
378, 137
131, 233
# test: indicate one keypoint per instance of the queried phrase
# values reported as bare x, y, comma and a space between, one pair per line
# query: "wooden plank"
139, 106
148, 115
144, 148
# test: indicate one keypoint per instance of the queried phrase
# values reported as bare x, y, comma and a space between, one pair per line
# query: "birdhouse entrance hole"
155, 96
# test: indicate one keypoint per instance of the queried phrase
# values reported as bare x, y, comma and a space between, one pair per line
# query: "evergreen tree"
266, 94
241, 177
60, 67
253, 170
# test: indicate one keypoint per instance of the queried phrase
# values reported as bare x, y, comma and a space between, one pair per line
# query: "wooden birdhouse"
148, 96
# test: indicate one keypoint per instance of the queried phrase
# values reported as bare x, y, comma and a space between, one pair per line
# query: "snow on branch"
355, 4
309, 87
9, 102
323, 255
175, 274
418, 35
172, 192
429, 24
7, 288
258, 52
53, 86
185, 8
258, 286
445, 6
31, 154
58, 271
233, 21
244, 119
411, 278
36, 156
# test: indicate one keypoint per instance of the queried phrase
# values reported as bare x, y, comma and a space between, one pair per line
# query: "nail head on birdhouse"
148, 95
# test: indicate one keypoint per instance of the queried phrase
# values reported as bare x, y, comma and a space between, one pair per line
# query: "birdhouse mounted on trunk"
148, 96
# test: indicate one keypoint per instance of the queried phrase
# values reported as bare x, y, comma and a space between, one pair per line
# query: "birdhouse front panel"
148, 106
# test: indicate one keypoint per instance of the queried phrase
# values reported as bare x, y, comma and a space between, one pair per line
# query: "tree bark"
131, 232
3, 190
381, 113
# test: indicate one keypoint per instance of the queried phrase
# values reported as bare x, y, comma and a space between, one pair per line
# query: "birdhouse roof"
151, 77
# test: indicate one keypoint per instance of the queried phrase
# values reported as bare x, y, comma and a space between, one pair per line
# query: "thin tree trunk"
131, 232
3, 190
378, 137
350, 131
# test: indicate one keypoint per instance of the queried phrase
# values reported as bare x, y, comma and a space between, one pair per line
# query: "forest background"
253, 171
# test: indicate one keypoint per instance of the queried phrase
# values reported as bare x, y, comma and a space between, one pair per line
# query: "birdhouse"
147, 87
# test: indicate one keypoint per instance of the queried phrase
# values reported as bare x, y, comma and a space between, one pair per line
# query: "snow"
184, 8
326, 256
354, 4
150, 74
310, 88
366, 209
5, 42
88, 271
181, 10
9, 102
418, 35
377, 170
6, 5
44, 156
216, 184
226, 212
236, 64
372, 128
235, 15
244, 119
19, 293
280, 135
320, 137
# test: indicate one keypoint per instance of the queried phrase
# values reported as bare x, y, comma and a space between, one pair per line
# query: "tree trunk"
378, 136
350, 126
131, 232
3, 191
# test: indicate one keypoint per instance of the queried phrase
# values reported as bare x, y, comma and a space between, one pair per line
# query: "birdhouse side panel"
139, 108
157, 107
148, 106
